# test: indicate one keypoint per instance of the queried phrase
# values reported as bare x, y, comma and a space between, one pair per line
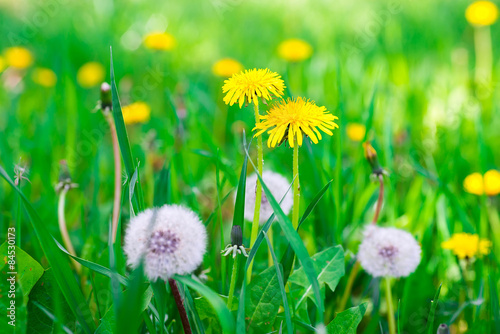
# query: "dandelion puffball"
171, 240
388, 252
278, 185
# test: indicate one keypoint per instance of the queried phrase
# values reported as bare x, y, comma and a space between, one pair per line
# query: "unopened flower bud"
106, 101
236, 236
443, 329
371, 156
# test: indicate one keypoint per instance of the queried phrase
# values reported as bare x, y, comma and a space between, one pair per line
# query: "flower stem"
64, 230
180, 306
380, 199
118, 175
234, 277
390, 306
258, 191
296, 187
18, 220
348, 287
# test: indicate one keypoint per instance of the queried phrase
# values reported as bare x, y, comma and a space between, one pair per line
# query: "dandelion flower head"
226, 67
44, 77
481, 13
278, 185
488, 184
170, 240
388, 252
250, 85
289, 120
466, 245
294, 50
90, 74
18, 57
355, 131
137, 112
161, 41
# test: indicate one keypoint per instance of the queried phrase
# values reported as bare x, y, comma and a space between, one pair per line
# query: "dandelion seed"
482, 13
294, 50
137, 112
289, 120
170, 240
226, 67
44, 77
278, 185
18, 57
90, 74
250, 85
160, 41
388, 252
466, 246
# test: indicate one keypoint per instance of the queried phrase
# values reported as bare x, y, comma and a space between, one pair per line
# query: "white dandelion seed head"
278, 185
388, 252
171, 240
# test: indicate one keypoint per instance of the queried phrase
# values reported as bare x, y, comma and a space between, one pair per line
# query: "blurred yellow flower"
2, 64
18, 57
226, 67
294, 50
137, 112
476, 184
465, 245
288, 119
482, 13
90, 74
44, 77
252, 84
159, 41
356, 131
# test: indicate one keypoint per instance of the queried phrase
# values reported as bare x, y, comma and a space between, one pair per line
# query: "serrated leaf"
347, 321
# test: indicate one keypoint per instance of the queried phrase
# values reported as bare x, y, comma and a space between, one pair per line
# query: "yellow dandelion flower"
90, 74
465, 245
137, 112
159, 41
44, 77
18, 57
492, 182
476, 184
289, 119
2, 64
356, 131
226, 67
252, 84
482, 13
294, 50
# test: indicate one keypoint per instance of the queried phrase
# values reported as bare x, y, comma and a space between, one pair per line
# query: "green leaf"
329, 264
432, 313
209, 316
263, 301
59, 263
347, 321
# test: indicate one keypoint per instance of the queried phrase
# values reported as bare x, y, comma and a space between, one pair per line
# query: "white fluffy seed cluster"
388, 252
278, 185
171, 240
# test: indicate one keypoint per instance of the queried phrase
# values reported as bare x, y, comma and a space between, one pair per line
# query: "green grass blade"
239, 206
59, 264
432, 313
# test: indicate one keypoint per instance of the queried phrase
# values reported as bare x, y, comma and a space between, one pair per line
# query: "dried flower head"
388, 252
161, 41
226, 67
294, 50
289, 120
137, 112
482, 13
466, 246
251, 85
170, 240
278, 185
476, 184
44, 77
18, 57
90, 74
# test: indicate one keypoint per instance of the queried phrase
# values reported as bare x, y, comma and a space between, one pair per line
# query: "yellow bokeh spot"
226, 67
18, 57
465, 245
90, 74
137, 112
473, 184
44, 77
482, 13
2, 64
294, 50
159, 41
476, 184
356, 131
